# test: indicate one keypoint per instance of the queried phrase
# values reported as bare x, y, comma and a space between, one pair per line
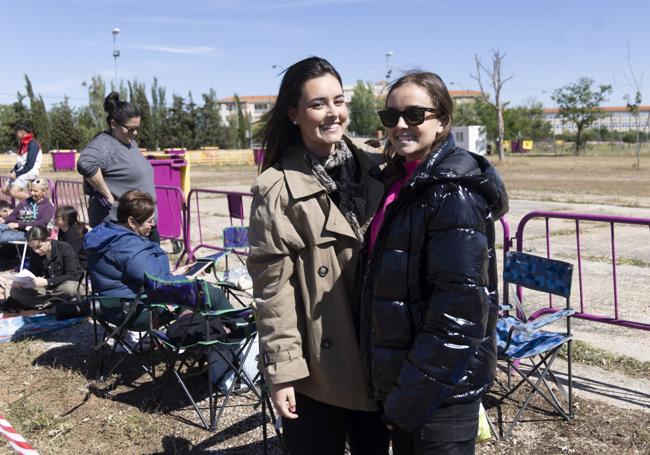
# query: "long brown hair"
278, 131
440, 97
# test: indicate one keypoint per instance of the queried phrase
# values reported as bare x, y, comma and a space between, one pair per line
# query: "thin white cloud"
166, 20
184, 50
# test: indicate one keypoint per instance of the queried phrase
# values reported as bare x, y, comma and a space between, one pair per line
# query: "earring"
295, 122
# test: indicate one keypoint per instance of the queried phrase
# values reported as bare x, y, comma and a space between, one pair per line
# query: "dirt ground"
51, 395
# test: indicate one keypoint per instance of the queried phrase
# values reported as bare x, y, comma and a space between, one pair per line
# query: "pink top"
410, 167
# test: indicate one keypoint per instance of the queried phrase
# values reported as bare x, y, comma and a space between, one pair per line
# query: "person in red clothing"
28, 162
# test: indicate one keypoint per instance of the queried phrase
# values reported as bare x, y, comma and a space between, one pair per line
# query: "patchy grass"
592, 356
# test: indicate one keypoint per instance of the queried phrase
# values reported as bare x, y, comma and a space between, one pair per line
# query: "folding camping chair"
117, 317
233, 349
229, 266
521, 343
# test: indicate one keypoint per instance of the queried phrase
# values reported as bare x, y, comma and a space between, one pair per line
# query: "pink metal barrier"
4, 181
71, 192
193, 221
577, 218
170, 203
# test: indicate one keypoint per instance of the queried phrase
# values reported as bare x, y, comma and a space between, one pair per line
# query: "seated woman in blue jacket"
119, 253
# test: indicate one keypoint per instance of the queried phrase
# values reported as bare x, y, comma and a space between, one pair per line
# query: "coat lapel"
302, 184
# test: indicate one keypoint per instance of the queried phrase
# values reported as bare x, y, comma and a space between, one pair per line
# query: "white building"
617, 118
254, 106
472, 138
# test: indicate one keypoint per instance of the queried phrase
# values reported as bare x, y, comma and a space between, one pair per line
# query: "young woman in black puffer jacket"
430, 304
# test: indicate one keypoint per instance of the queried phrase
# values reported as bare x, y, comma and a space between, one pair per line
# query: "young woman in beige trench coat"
312, 204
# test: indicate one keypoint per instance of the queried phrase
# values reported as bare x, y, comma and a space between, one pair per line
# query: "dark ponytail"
120, 111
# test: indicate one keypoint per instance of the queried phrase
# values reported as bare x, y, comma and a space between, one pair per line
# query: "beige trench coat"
303, 261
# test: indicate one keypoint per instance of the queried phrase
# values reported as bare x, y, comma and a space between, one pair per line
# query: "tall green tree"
242, 125
65, 132
210, 121
364, 120
193, 123
96, 95
158, 111
40, 119
527, 122
579, 103
139, 99
176, 126
16, 112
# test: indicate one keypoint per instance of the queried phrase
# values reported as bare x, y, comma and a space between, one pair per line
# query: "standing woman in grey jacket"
112, 164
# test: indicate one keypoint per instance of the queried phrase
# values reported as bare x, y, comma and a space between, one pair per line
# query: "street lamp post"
116, 54
388, 54
458, 84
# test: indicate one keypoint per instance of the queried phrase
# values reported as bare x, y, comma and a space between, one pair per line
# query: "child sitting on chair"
35, 210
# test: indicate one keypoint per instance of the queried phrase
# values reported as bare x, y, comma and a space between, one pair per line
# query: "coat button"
326, 343
322, 271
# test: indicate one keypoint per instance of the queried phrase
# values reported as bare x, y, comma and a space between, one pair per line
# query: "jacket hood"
453, 164
107, 235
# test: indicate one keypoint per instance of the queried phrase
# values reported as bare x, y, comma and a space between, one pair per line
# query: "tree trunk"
638, 147
578, 141
501, 127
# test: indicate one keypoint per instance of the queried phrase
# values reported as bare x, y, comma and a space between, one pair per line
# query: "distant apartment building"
616, 118
258, 105
253, 106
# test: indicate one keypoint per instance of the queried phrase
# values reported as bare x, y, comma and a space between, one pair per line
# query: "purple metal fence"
197, 196
4, 181
577, 217
71, 192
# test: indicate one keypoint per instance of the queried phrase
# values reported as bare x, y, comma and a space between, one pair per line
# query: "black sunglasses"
413, 116
131, 129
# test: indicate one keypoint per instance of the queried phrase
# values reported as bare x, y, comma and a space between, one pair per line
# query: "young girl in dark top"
71, 231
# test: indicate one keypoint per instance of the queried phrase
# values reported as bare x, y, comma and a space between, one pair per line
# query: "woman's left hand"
40, 282
13, 225
182, 270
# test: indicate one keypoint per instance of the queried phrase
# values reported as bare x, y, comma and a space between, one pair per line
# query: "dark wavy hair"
120, 111
278, 131
138, 204
440, 99
24, 125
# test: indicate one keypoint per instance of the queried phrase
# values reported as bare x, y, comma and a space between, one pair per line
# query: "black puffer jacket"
430, 304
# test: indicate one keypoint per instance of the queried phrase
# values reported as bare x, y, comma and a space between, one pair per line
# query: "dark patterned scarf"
351, 195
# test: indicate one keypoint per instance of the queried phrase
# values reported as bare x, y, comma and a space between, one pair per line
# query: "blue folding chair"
521, 342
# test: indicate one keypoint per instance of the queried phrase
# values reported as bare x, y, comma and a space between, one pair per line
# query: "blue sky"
231, 45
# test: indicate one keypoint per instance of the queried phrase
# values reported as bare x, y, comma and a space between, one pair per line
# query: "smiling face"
321, 114
412, 142
127, 132
37, 192
143, 229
